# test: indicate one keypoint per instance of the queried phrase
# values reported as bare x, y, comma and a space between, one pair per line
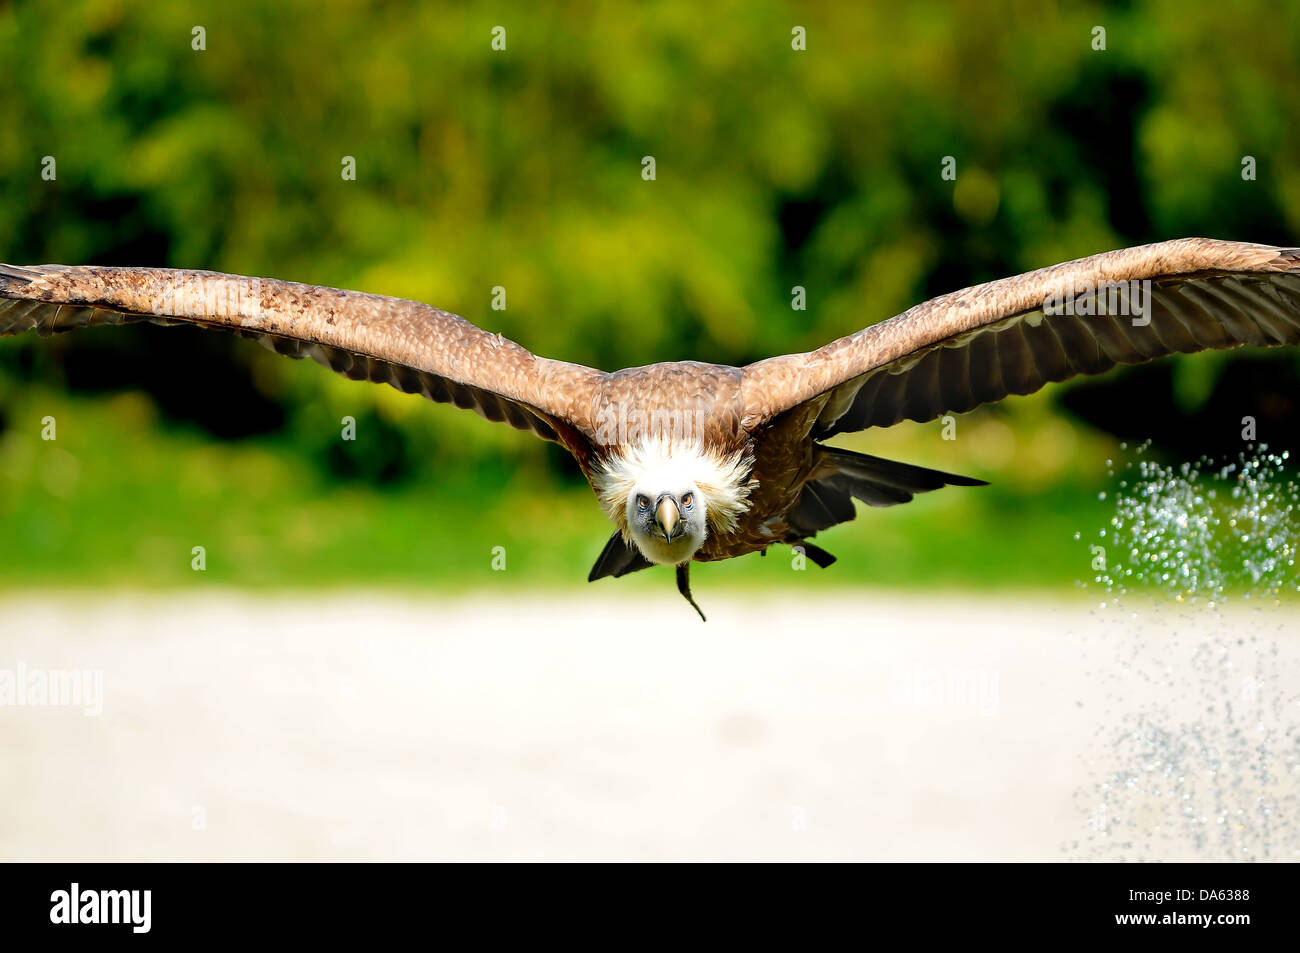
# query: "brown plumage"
740, 442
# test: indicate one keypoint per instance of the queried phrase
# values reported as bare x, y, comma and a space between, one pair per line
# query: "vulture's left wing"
1013, 336
412, 346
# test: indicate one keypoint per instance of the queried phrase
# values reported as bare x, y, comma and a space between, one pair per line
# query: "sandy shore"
372, 726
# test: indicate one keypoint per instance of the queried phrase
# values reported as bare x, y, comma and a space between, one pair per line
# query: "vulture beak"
666, 517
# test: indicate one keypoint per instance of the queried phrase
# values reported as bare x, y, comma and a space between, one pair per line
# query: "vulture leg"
684, 587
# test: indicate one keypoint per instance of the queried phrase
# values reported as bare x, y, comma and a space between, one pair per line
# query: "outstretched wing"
1013, 336
412, 346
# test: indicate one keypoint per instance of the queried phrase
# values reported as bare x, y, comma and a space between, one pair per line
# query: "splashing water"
1204, 530
1203, 761
1197, 752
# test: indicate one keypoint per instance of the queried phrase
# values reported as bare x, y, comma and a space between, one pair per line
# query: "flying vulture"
696, 461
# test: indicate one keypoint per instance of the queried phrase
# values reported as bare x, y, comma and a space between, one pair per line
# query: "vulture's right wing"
412, 346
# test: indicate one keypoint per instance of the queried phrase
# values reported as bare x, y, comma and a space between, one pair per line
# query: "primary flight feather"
698, 462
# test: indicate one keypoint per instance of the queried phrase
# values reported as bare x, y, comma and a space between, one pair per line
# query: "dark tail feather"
879, 482
841, 475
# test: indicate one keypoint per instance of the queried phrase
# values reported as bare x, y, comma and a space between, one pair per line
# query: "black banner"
948, 903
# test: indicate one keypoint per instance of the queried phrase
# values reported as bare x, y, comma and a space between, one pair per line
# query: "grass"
119, 500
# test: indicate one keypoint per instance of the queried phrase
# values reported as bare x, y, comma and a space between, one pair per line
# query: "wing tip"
20, 276
1288, 259
14, 275
618, 558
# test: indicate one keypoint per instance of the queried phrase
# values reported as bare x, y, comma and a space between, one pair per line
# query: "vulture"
699, 462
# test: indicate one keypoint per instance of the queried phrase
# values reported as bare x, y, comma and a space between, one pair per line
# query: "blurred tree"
521, 168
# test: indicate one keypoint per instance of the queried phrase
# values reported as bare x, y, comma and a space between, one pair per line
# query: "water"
1196, 753
1202, 531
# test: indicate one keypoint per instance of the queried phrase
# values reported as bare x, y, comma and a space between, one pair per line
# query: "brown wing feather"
412, 346
955, 352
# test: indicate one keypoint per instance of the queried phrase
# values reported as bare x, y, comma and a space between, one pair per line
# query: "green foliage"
521, 168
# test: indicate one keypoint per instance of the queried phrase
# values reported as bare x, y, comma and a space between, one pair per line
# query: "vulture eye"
642, 502
688, 499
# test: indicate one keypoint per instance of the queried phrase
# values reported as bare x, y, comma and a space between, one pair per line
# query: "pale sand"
372, 726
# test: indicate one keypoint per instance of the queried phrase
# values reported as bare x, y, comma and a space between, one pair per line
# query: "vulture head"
666, 499
667, 517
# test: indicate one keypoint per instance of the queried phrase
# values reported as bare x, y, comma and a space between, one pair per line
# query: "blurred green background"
522, 168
